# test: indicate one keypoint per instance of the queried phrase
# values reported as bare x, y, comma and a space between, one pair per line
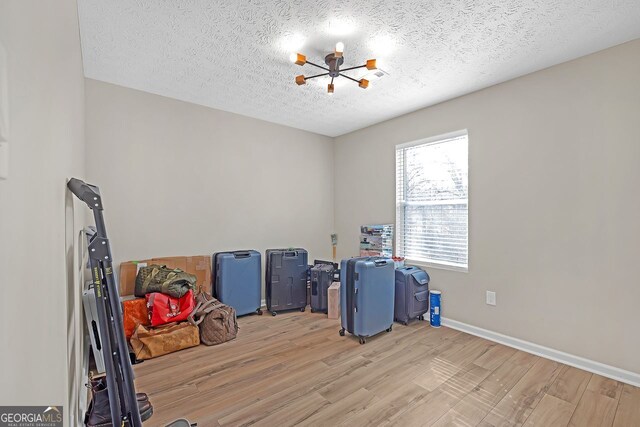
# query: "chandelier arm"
317, 75
352, 68
350, 78
319, 66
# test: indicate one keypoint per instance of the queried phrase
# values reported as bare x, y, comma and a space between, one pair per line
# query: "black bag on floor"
412, 294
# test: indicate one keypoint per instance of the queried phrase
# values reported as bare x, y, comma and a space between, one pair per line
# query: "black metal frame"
334, 71
120, 387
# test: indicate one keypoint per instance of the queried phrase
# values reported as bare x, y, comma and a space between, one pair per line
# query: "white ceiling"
233, 54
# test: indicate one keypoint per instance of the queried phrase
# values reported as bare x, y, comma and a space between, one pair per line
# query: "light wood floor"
294, 369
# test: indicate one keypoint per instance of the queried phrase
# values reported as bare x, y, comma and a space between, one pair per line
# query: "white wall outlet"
491, 298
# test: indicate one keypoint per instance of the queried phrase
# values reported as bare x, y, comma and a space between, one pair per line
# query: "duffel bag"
134, 312
148, 343
159, 278
165, 309
217, 321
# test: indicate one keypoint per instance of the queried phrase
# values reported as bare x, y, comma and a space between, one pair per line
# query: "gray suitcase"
412, 294
366, 296
286, 279
322, 275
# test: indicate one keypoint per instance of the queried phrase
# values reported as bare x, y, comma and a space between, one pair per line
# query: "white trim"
608, 371
438, 265
444, 137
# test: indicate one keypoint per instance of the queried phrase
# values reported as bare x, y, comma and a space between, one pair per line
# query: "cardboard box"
333, 301
199, 266
128, 271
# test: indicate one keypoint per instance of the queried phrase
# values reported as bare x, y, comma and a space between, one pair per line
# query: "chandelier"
333, 61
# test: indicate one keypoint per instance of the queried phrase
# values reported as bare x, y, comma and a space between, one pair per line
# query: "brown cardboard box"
128, 271
333, 301
199, 266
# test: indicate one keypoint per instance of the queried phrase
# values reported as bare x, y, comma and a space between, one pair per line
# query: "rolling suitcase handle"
241, 254
321, 262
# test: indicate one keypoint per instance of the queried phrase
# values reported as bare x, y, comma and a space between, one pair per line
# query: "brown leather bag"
217, 321
148, 343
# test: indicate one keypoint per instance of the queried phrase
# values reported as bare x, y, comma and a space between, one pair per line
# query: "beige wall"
554, 203
181, 179
38, 222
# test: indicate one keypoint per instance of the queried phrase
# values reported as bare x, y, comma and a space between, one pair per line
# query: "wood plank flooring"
294, 369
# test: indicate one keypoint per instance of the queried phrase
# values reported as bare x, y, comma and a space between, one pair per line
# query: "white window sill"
438, 266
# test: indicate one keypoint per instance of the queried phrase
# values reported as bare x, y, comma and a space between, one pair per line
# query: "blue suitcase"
237, 280
412, 294
367, 292
286, 279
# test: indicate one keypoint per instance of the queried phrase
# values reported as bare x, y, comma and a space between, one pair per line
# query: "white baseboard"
608, 371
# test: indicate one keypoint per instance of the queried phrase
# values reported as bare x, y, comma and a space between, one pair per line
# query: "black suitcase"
322, 275
412, 294
286, 279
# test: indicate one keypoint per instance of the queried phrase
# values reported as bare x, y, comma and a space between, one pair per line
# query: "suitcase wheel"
312, 310
302, 309
421, 317
273, 313
259, 312
362, 340
405, 323
341, 332
391, 327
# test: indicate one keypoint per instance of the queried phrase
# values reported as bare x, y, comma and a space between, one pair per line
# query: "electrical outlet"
491, 298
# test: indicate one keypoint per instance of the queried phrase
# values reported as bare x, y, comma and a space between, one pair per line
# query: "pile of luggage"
370, 292
373, 293
168, 316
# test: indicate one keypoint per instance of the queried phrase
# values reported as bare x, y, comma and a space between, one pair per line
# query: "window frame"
442, 265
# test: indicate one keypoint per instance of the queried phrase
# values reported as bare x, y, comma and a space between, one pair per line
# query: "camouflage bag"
159, 278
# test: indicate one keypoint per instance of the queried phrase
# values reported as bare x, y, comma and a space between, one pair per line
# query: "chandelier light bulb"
339, 47
293, 57
330, 89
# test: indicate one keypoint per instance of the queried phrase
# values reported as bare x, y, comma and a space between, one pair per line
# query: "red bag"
165, 309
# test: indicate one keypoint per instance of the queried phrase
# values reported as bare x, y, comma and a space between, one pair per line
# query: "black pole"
107, 341
127, 387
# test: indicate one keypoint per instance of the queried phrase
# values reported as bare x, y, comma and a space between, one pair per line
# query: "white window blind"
432, 200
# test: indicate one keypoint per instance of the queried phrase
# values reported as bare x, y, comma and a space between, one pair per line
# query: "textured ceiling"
233, 55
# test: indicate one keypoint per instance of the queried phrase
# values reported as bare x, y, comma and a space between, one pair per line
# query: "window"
432, 200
